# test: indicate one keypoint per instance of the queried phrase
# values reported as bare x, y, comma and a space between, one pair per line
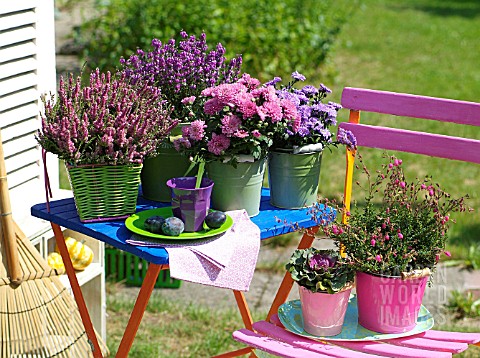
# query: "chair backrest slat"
434, 145
409, 105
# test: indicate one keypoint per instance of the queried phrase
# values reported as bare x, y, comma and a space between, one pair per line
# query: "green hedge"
274, 37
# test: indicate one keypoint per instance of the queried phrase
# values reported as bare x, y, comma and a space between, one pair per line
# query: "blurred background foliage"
274, 37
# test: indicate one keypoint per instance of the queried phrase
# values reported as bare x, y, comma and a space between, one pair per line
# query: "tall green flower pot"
293, 179
158, 170
237, 188
166, 165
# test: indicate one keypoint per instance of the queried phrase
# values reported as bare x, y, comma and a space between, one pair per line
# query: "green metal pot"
293, 179
237, 188
158, 170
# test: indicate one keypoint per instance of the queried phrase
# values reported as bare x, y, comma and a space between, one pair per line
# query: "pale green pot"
237, 188
293, 179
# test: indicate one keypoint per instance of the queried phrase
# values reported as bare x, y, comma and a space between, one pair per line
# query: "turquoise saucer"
290, 314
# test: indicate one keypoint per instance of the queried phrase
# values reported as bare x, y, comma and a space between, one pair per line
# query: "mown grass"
172, 329
422, 47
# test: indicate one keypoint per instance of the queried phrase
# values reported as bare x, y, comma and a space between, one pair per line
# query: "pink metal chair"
269, 335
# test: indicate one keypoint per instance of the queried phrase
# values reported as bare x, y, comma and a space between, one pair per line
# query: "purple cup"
190, 204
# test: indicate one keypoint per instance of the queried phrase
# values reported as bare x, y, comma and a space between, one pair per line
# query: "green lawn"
421, 47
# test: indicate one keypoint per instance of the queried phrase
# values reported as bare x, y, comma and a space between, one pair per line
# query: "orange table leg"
287, 283
139, 309
77, 292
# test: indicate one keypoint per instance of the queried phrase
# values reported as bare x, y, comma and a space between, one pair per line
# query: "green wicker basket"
123, 266
104, 192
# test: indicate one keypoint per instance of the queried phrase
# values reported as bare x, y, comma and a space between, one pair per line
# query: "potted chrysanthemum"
325, 280
395, 241
232, 135
181, 70
103, 131
295, 157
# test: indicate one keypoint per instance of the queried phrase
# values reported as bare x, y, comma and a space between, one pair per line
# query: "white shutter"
27, 69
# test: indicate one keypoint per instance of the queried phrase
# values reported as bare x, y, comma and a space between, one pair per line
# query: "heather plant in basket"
403, 225
182, 70
310, 130
107, 121
235, 121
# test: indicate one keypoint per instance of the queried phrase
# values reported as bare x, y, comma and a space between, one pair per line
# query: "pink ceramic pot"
388, 304
323, 313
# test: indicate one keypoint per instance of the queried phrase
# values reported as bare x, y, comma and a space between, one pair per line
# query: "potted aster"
325, 280
395, 242
232, 135
181, 70
103, 131
295, 157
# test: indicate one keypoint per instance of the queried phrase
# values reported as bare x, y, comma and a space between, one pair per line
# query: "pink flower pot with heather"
399, 231
389, 304
325, 281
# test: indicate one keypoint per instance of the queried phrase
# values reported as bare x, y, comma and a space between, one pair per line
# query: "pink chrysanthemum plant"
401, 230
108, 121
236, 121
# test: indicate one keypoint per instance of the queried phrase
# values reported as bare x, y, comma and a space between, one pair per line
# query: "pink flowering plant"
182, 70
310, 130
109, 121
236, 119
321, 270
405, 230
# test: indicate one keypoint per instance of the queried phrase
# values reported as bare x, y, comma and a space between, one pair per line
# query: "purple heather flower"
182, 69
298, 76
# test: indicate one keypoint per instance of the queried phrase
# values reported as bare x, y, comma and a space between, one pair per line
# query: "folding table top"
272, 222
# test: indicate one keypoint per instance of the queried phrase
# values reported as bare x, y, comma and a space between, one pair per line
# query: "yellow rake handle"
8, 228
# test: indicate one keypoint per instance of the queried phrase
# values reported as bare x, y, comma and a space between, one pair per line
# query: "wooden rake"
38, 315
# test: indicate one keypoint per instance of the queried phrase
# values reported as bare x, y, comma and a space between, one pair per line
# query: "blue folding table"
272, 222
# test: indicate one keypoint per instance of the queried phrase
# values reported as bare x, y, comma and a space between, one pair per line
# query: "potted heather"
232, 136
181, 70
325, 280
395, 242
295, 157
103, 131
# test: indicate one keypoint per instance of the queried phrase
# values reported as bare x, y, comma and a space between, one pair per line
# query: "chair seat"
274, 339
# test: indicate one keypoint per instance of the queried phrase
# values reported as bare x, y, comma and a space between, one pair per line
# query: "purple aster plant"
109, 121
315, 119
182, 70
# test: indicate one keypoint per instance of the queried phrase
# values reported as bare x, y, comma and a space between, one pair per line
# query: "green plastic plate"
290, 314
135, 223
